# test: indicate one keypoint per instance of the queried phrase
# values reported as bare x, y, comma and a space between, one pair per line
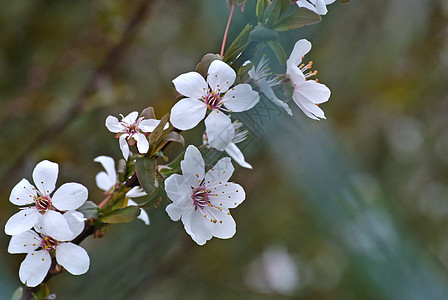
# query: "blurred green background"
354, 207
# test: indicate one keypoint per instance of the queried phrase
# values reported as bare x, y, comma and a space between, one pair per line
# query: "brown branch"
113, 57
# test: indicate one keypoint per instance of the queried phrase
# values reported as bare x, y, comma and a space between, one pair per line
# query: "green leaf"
174, 166
122, 215
242, 71
153, 199
156, 135
279, 51
297, 17
238, 45
263, 34
89, 210
117, 199
173, 136
204, 64
17, 294
274, 11
145, 168
261, 7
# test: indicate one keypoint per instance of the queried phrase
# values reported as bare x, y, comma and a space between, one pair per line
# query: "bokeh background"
354, 207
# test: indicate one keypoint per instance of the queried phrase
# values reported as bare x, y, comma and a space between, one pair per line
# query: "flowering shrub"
50, 226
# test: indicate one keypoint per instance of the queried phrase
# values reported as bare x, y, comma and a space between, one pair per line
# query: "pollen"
43, 259
220, 222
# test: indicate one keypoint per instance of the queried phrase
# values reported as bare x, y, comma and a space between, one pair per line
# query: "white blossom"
202, 200
131, 131
308, 94
318, 6
216, 95
36, 204
107, 180
40, 247
232, 149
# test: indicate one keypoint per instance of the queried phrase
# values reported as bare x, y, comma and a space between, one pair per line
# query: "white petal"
131, 118
187, 113
143, 214
70, 196
124, 146
314, 92
34, 268
135, 192
193, 167
227, 195
237, 155
306, 4
23, 193
191, 85
198, 227
314, 109
220, 76
221, 172
301, 48
73, 258
174, 211
178, 189
240, 98
142, 143
103, 181
113, 124
295, 74
222, 224
108, 164
22, 221
56, 226
148, 125
24, 242
45, 175
75, 221
219, 129
321, 8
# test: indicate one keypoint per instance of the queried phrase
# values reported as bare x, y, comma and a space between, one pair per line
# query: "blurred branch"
113, 57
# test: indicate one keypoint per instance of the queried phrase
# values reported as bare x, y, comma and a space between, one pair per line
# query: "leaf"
173, 136
238, 45
154, 199
174, 166
89, 210
274, 11
117, 199
243, 70
145, 168
263, 34
204, 64
122, 215
279, 51
148, 113
156, 134
17, 294
296, 18
261, 7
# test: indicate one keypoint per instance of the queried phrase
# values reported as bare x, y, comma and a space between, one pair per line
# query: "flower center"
307, 67
43, 203
213, 100
200, 198
48, 243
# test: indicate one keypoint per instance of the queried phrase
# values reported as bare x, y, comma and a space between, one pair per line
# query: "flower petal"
23, 193
266, 89
174, 211
219, 129
22, 221
103, 181
24, 242
34, 268
193, 168
227, 195
148, 125
240, 98
70, 196
135, 192
55, 225
298, 99
45, 175
187, 113
295, 74
191, 85
222, 224
124, 146
114, 125
131, 118
321, 8
143, 214
142, 143
178, 188
198, 227
220, 76
73, 258
221, 172
108, 164
237, 155
306, 4
75, 221
301, 48
314, 92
